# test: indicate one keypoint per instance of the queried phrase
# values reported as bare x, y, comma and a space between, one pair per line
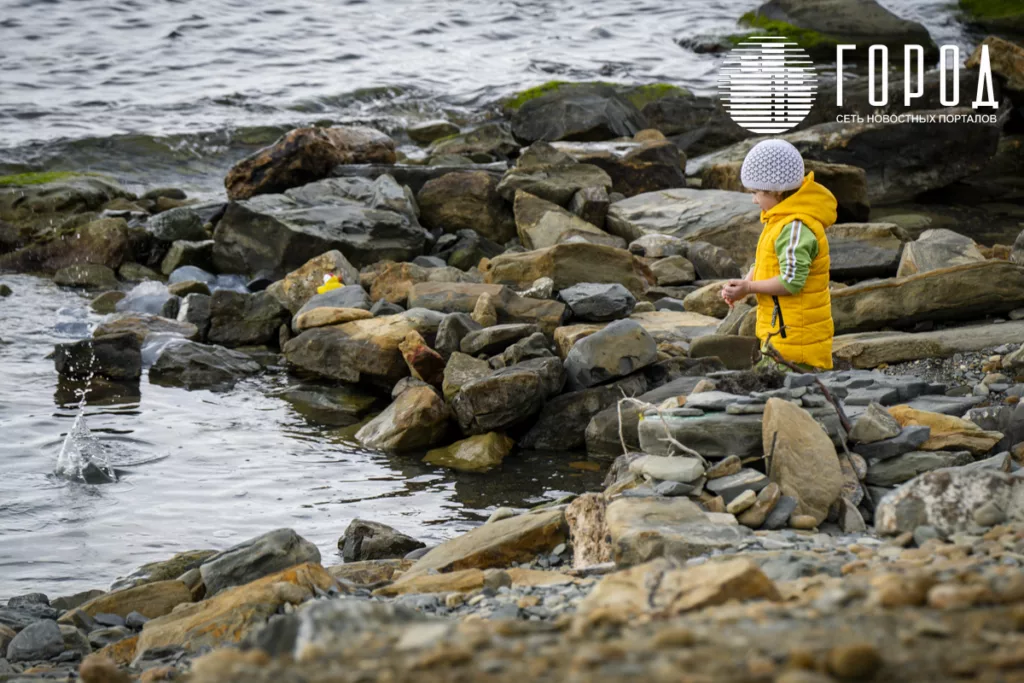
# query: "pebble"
856, 662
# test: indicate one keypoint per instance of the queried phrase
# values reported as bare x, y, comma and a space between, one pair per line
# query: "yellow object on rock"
331, 282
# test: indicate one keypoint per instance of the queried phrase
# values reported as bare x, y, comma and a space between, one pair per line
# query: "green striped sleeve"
795, 248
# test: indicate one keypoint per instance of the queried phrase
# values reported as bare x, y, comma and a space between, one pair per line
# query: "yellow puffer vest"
808, 314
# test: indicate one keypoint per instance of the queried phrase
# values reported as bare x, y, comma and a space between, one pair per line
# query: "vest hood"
811, 200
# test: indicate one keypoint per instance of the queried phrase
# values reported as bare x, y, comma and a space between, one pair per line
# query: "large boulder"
200, 366
541, 224
994, 16
901, 160
300, 285
563, 421
114, 356
723, 218
417, 419
486, 143
466, 200
947, 500
567, 265
618, 350
1017, 253
803, 459
366, 540
551, 175
361, 350
859, 251
394, 280
634, 167
304, 155
464, 249
181, 223
144, 325
245, 319
273, 234
499, 400
965, 292
31, 205
584, 111
151, 600
938, 248
831, 22
104, 242
594, 302
256, 558
498, 544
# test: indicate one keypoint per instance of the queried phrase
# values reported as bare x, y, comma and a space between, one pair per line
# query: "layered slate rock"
567, 265
859, 251
615, 351
367, 221
466, 200
201, 366
722, 218
462, 297
635, 167
367, 540
417, 419
938, 248
245, 319
584, 111
479, 453
502, 398
544, 172
256, 558
542, 224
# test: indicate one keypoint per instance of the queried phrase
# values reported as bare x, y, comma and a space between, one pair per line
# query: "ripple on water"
228, 466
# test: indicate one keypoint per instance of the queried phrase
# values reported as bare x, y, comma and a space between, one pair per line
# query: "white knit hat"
774, 166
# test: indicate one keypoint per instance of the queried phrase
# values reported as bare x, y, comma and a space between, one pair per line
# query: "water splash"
82, 456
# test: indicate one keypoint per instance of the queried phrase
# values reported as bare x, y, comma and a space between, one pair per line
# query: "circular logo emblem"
768, 84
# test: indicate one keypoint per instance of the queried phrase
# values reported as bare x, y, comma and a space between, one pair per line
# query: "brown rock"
369, 572
542, 224
588, 530
484, 312
803, 522
1005, 58
725, 466
948, 433
121, 653
417, 419
104, 242
499, 544
150, 600
99, 669
466, 200
300, 285
855, 662
478, 453
304, 155
142, 325
323, 316
804, 464
755, 515
424, 363
394, 280
227, 617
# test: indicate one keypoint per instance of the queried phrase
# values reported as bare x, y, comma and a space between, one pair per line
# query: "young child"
790, 272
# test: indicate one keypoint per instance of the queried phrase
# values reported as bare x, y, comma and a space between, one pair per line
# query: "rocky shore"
549, 280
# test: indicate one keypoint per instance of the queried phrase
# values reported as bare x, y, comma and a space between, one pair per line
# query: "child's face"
765, 200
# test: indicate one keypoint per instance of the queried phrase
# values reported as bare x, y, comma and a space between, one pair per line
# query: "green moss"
808, 39
992, 9
642, 95
514, 102
39, 178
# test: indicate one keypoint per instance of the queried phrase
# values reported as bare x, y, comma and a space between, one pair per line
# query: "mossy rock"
817, 44
638, 95
642, 95
42, 177
517, 100
997, 15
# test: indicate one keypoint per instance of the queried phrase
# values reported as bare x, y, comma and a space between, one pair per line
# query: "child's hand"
735, 290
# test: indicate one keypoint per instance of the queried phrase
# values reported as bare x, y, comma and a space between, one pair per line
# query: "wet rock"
367, 221
417, 419
615, 351
426, 132
245, 319
903, 468
103, 242
453, 329
478, 453
721, 218
499, 544
590, 204
577, 112
466, 200
256, 558
875, 424
464, 249
366, 540
183, 289
946, 500
598, 302
183, 253
635, 167
804, 463
195, 310
86, 275
177, 224
566, 265
508, 306
232, 614
541, 224
483, 144
330, 405
114, 356
935, 249
562, 423
304, 155
200, 366
161, 571
460, 370
41, 640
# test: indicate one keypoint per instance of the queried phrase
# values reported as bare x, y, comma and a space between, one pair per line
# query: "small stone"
874, 425
741, 502
135, 621
924, 533
725, 467
484, 312
859, 661
989, 514
803, 522
5, 291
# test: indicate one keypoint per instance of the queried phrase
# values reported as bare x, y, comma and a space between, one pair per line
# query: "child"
790, 272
